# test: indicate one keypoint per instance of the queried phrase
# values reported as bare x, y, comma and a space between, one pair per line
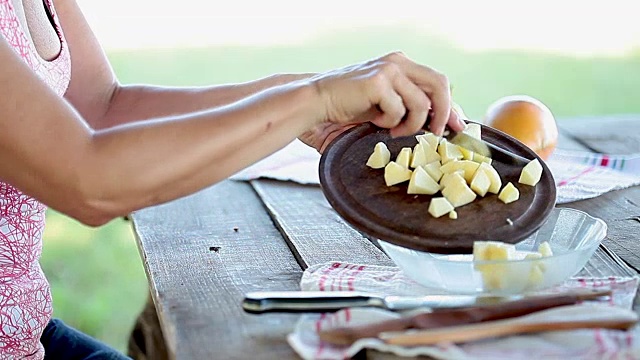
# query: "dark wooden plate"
360, 195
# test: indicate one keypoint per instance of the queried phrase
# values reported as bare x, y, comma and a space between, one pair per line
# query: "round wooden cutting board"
359, 194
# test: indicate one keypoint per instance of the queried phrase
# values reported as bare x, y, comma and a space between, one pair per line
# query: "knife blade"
328, 301
485, 148
439, 318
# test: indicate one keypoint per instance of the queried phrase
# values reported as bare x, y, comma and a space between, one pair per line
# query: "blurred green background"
96, 274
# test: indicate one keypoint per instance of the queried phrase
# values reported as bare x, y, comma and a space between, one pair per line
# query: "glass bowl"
572, 234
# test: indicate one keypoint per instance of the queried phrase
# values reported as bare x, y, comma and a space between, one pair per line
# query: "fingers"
431, 82
417, 106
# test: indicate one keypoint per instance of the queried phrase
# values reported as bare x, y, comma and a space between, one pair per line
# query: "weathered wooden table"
202, 253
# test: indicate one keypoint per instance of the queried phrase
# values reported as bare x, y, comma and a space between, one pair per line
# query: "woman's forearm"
133, 166
132, 103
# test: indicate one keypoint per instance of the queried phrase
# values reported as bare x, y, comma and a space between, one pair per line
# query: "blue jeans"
64, 342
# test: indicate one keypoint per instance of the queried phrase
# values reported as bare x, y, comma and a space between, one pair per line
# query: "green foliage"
96, 274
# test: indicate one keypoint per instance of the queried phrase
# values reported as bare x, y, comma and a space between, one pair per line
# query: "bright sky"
569, 26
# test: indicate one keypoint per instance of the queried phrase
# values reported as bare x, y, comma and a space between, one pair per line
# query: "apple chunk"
395, 173
439, 206
433, 169
531, 173
404, 157
480, 183
458, 193
380, 156
448, 151
494, 177
422, 183
469, 168
509, 194
474, 130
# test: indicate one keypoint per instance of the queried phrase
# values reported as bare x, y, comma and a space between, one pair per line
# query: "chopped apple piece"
419, 157
430, 138
458, 193
448, 151
493, 275
545, 249
453, 214
492, 173
536, 276
469, 168
493, 250
395, 173
473, 130
509, 194
404, 157
480, 159
533, 256
439, 206
480, 183
466, 153
422, 183
380, 156
531, 173
449, 177
430, 154
433, 169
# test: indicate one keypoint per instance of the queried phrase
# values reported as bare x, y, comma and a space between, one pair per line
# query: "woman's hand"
392, 92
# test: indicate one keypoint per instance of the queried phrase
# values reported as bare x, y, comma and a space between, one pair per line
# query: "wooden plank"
199, 267
615, 134
621, 211
314, 231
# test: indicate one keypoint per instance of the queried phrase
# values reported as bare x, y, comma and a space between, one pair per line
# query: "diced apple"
466, 153
531, 173
419, 158
480, 183
545, 249
469, 168
492, 173
493, 250
422, 183
430, 138
458, 193
448, 152
509, 193
433, 169
380, 156
480, 159
494, 276
430, 154
536, 276
533, 256
453, 215
395, 173
457, 175
439, 206
404, 157
473, 130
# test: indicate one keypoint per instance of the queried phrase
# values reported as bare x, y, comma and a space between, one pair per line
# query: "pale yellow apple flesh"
433, 169
395, 173
469, 168
439, 206
474, 130
480, 183
404, 157
419, 157
380, 156
448, 152
509, 193
531, 173
494, 177
422, 183
453, 215
458, 194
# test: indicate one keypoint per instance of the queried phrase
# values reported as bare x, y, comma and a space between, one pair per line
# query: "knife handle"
306, 301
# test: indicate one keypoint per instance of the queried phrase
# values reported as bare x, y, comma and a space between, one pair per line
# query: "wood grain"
314, 231
199, 268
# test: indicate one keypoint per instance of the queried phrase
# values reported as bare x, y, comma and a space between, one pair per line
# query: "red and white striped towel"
574, 344
579, 175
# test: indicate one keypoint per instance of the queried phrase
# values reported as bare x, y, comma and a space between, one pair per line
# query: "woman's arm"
48, 151
95, 92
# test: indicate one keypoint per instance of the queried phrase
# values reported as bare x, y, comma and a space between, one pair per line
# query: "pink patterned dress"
25, 299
